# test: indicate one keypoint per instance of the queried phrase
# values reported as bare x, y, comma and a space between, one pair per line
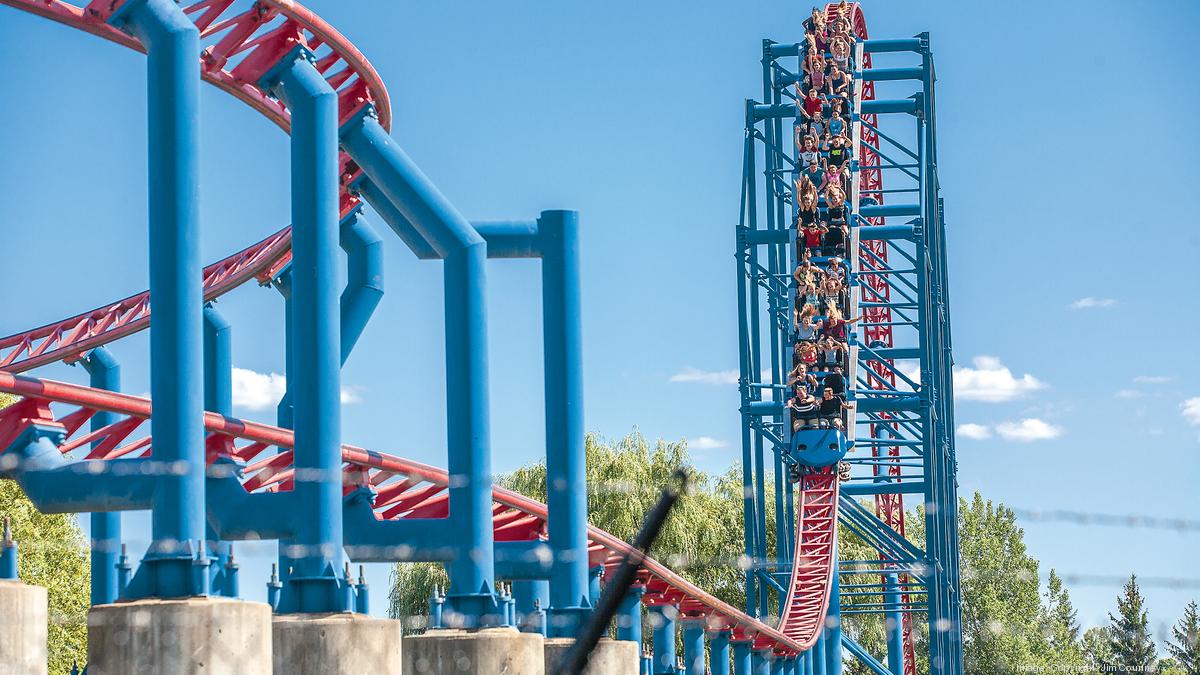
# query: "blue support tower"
899, 439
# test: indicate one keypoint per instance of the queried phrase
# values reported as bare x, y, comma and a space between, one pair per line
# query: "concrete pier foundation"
610, 657
335, 644
489, 651
206, 635
23, 615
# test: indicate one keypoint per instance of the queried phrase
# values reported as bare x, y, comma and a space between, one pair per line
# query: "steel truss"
902, 441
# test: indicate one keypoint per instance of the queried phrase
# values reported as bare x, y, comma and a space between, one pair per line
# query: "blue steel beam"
465, 254
218, 398
316, 583
693, 646
104, 372
173, 98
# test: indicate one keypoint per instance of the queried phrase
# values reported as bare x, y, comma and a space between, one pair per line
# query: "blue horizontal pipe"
767, 236
892, 353
884, 106
886, 232
764, 408
866, 489
783, 49
892, 74
894, 45
872, 211
516, 239
889, 404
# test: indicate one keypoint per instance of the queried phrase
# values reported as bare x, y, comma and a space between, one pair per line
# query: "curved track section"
403, 488
69, 339
240, 40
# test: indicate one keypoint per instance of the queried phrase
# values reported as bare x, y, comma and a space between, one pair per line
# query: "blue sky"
1062, 127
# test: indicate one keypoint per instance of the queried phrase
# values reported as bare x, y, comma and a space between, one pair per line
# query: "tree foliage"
52, 553
624, 479
1129, 639
1010, 623
1185, 641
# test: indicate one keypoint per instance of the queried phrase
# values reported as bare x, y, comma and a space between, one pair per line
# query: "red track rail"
69, 339
240, 40
889, 508
404, 489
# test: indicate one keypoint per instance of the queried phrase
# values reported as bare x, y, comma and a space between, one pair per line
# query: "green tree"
1060, 624
1096, 648
52, 553
1185, 643
624, 479
1170, 666
1133, 649
1002, 611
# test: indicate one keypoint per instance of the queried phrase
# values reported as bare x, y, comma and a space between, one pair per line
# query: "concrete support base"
610, 657
189, 635
490, 651
335, 644
23, 614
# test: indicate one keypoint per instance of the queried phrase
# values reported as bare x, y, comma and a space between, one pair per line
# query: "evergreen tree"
1133, 649
1060, 624
1185, 643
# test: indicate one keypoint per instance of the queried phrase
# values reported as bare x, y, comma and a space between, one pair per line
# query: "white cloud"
690, 374
706, 443
1094, 303
976, 432
1027, 430
1128, 393
1191, 411
1152, 379
992, 382
253, 390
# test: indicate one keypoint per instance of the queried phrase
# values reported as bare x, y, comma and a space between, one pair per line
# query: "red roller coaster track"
239, 45
404, 489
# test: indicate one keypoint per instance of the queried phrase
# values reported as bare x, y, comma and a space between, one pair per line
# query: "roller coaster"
210, 479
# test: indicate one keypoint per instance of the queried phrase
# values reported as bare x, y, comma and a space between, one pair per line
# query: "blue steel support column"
315, 582
833, 624
532, 596
894, 625
747, 344
693, 646
472, 571
172, 43
818, 654
629, 616
742, 664
718, 651
104, 373
566, 479
218, 398
760, 662
662, 618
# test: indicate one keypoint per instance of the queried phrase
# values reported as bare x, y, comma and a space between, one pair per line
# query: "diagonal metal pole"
576, 658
